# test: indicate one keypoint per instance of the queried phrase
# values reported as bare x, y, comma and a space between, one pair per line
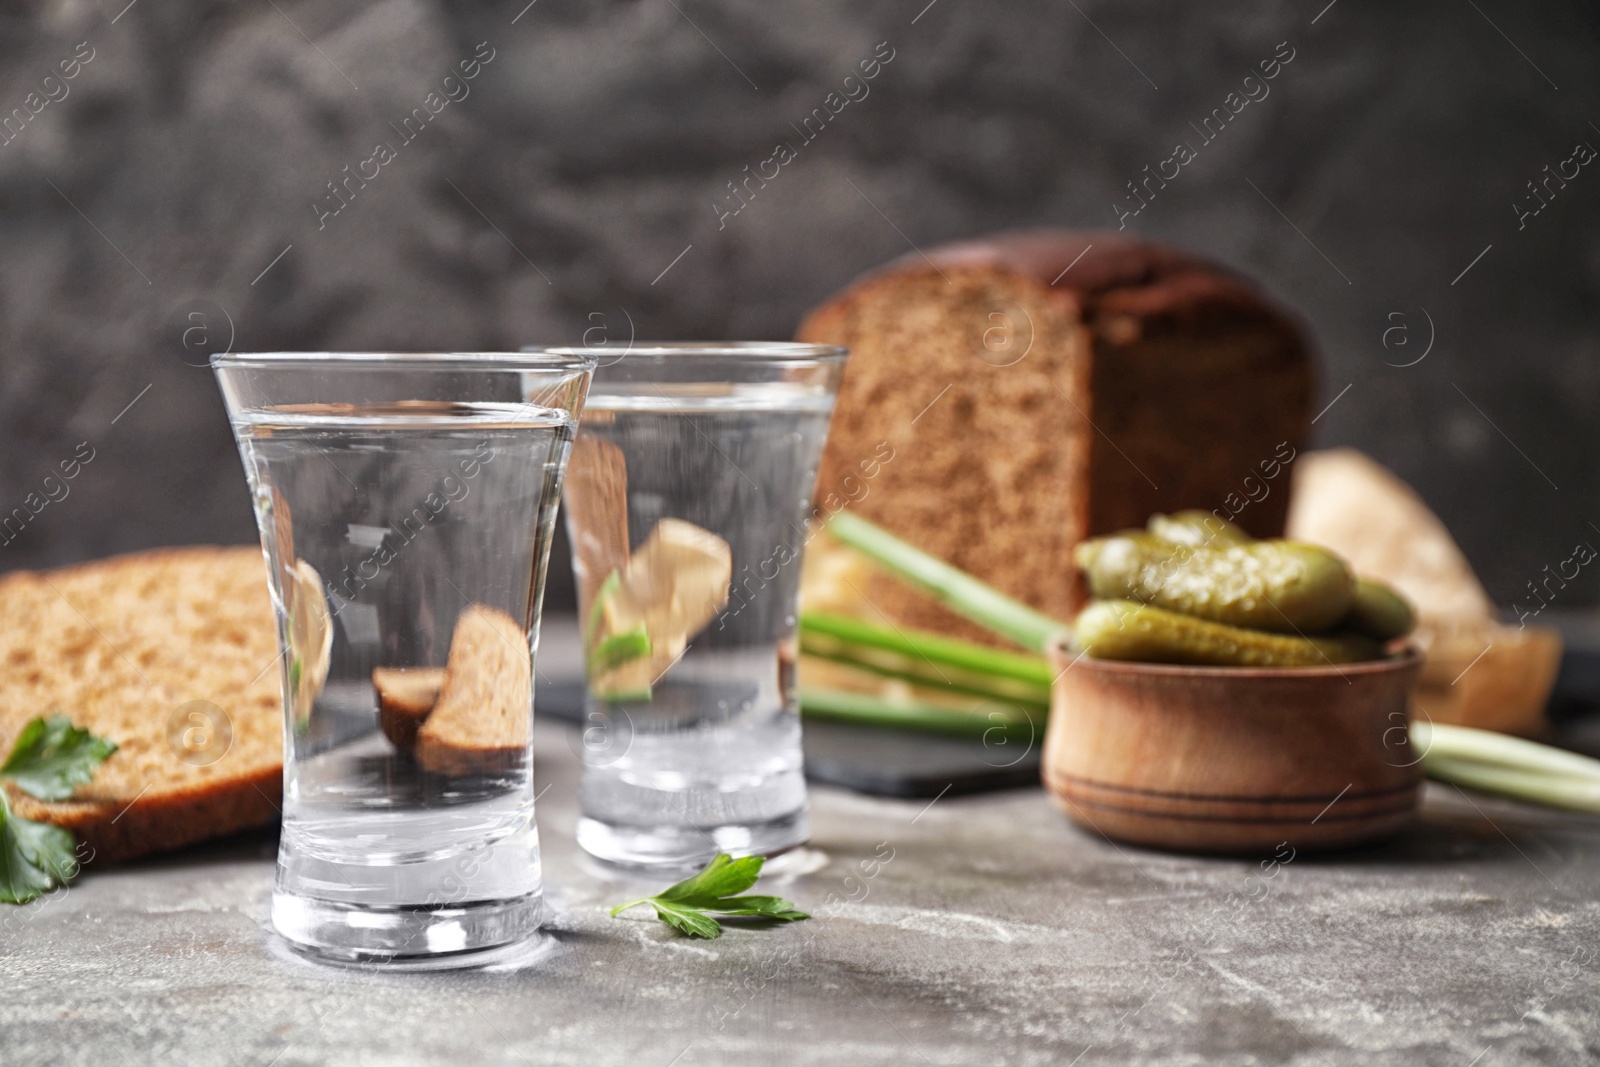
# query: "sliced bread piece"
172, 654
484, 716
405, 697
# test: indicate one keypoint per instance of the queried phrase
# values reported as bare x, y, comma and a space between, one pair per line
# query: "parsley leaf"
688, 905
689, 921
767, 907
52, 757
35, 857
722, 877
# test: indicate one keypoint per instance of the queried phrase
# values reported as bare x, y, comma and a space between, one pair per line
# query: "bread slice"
595, 500
671, 588
406, 695
1499, 678
482, 721
173, 655
1007, 398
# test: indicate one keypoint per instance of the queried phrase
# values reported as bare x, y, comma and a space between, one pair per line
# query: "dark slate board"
894, 763
1577, 691
889, 763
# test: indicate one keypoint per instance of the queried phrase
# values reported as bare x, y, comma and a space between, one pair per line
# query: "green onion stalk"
957, 590
858, 709
1510, 766
927, 659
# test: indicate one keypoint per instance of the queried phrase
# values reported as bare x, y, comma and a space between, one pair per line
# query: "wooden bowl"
1233, 759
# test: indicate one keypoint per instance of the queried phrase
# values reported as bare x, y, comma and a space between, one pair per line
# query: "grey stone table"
981, 930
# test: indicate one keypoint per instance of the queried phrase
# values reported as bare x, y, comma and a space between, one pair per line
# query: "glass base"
689, 847
337, 897
350, 933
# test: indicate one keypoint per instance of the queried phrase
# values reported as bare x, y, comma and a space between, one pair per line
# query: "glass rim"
731, 351
536, 359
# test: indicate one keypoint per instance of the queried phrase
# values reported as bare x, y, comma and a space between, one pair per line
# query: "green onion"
1439, 741
1541, 787
1510, 766
609, 653
926, 659
861, 710
957, 590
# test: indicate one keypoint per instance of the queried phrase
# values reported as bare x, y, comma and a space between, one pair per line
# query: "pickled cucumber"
1196, 527
1375, 608
1281, 586
1380, 611
1126, 630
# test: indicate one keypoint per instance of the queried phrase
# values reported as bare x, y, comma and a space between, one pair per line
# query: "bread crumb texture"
121, 647
984, 445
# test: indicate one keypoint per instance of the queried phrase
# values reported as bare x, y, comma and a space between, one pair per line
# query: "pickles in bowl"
1195, 589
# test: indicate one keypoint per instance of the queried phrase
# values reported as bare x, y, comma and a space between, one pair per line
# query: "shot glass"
406, 504
687, 509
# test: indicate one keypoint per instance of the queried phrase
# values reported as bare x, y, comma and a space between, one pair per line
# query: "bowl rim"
1064, 660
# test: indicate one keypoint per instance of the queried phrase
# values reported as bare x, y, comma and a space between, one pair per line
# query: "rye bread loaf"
171, 654
1045, 386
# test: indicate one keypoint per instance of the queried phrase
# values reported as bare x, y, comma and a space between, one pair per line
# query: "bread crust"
162, 820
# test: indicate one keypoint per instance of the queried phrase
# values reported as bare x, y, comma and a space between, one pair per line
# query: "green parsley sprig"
51, 758
689, 905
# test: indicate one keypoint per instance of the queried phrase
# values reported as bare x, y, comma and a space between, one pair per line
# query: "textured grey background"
188, 152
